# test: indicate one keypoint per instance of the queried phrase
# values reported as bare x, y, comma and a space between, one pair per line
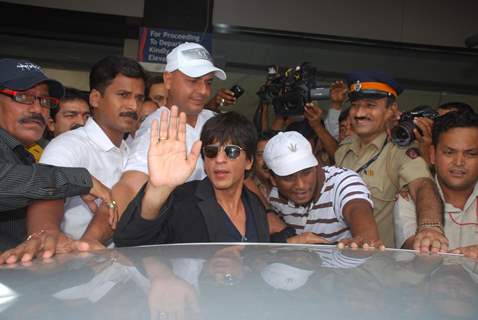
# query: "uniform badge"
413, 153
357, 85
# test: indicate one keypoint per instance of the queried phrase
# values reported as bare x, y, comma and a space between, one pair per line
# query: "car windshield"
241, 281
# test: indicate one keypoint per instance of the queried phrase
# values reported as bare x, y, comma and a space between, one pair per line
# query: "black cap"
372, 84
22, 75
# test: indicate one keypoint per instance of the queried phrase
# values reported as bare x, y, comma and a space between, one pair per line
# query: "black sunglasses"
232, 151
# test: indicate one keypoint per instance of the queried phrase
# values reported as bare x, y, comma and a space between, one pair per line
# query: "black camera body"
402, 134
290, 89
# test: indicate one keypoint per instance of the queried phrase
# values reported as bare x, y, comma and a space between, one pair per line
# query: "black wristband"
283, 235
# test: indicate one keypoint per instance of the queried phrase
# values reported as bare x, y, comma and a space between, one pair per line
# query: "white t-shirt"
332, 122
324, 216
86, 147
138, 159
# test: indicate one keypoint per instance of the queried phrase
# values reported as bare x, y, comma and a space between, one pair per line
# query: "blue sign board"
155, 44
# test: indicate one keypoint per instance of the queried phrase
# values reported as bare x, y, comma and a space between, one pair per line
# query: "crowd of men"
152, 160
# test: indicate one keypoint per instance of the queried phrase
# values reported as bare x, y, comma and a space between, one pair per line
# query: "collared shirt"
22, 182
138, 159
393, 169
458, 235
324, 215
88, 147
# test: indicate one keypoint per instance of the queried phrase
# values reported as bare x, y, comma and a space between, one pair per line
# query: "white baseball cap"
289, 152
193, 60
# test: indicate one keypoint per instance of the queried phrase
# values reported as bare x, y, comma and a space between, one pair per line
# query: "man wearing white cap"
320, 204
188, 78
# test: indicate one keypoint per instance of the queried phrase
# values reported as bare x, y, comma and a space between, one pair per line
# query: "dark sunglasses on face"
232, 151
25, 98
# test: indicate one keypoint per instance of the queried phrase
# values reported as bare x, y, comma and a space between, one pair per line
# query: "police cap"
372, 85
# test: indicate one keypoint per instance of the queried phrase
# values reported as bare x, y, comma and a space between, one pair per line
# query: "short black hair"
458, 106
231, 127
152, 80
391, 99
344, 114
104, 71
265, 135
71, 94
303, 127
451, 120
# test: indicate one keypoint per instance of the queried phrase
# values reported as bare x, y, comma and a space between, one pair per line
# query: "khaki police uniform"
461, 226
394, 168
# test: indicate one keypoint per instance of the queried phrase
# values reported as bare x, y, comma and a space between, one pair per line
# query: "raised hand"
338, 92
225, 97
313, 114
424, 136
168, 162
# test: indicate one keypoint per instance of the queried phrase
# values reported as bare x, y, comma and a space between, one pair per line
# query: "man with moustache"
71, 113
386, 168
188, 79
117, 92
454, 155
26, 96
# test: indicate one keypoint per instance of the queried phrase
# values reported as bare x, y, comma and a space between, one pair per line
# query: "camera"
289, 89
402, 134
237, 90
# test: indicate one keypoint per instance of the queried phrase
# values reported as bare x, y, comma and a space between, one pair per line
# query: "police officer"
385, 167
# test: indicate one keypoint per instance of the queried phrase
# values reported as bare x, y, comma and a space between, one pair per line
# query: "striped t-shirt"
324, 216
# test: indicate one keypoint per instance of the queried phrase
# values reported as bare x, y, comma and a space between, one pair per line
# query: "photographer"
414, 128
423, 118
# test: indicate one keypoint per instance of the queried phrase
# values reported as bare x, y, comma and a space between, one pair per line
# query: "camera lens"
402, 134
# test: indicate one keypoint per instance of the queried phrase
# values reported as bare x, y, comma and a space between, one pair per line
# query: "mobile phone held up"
237, 90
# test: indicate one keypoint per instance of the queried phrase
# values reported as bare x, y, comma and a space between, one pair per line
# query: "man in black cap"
26, 96
385, 167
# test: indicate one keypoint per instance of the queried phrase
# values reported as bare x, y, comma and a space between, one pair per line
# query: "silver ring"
222, 102
162, 138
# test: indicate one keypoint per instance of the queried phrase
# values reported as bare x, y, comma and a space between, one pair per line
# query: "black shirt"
251, 231
22, 181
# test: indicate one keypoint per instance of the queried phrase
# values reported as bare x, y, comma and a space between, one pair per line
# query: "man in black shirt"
26, 95
216, 209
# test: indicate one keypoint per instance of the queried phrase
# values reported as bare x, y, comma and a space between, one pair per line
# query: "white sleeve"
332, 123
138, 156
349, 186
405, 220
59, 152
